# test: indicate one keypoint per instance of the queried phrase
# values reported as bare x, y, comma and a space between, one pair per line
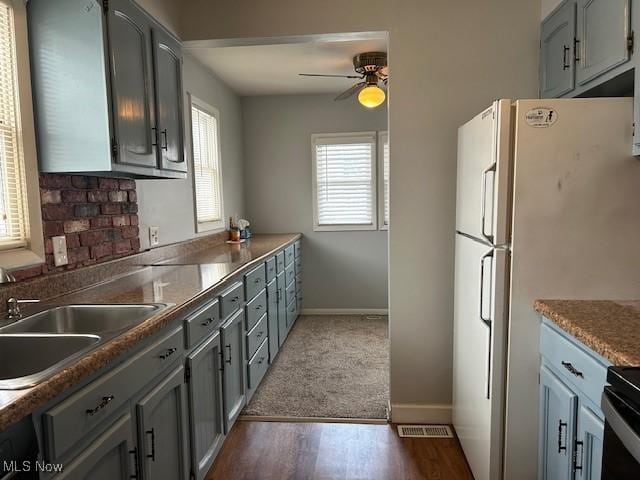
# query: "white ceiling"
273, 69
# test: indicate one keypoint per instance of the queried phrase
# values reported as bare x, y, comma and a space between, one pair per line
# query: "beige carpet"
332, 366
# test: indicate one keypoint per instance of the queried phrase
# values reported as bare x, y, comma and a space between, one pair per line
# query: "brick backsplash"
97, 215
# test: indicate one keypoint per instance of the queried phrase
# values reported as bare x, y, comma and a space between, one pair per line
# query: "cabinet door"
233, 368
162, 429
167, 55
112, 456
557, 66
603, 32
589, 445
272, 312
558, 405
282, 309
205, 404
131, 84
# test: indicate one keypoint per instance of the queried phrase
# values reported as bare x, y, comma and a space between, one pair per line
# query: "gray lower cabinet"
162, 429
589, 444
282, 308
272, 315
557, 65
233, 340
112, 456
206, 412
604, 30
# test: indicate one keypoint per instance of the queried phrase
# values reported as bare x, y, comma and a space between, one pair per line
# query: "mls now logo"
28, 466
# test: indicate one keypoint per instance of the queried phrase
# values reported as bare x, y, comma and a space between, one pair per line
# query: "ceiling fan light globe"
371, 96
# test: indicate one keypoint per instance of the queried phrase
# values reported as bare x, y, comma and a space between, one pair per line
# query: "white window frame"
33, 252
217, 225
383, 136
350, 137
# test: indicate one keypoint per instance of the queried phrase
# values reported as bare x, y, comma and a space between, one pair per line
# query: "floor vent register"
425, 431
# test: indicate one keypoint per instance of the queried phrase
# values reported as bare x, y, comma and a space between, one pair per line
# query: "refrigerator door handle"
483, 207
486, 320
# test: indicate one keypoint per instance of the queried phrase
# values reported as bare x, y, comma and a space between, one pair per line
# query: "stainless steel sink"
84, 319
27, 359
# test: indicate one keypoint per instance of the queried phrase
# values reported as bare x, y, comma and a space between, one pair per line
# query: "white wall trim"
344, 311
420, 413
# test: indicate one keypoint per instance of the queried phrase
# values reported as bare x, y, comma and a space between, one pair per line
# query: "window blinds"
13, 204
206, 165
345, 180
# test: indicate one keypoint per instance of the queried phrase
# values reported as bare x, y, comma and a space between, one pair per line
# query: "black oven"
621, 407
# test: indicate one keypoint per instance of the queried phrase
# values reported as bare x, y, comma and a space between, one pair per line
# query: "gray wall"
170, 204
448, 61
342, 270
548, 6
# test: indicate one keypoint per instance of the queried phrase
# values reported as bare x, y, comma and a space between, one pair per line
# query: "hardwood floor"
328, 451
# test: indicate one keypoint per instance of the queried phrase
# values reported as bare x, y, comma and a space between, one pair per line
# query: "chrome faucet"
13, 308
6, 277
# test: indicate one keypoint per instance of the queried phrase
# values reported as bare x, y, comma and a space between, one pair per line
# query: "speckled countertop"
610, 328
182, 281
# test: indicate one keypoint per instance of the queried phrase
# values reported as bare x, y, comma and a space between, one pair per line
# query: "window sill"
21, 258
344, 228
210, 227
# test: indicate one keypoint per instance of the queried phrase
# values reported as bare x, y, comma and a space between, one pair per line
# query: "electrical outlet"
60, 251
154, 236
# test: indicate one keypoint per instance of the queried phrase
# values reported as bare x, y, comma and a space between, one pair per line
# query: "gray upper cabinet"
167, 56
162, 429
206, 414
98, 109
233, 368
603, 38
112, 456
557, 65
132, 84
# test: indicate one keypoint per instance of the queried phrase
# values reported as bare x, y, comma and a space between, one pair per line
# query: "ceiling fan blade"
323, 75
350, 91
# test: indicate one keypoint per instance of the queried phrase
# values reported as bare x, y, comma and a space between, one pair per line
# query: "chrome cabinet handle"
576, 56
259, 334
103, 403
229, 348
207, 322
483, 206
561, 425
166, 142
572, 369
154, 141
577, 456
152, 455
258, 280
565, 60
168, 353
261, 360
134, 452
258, 307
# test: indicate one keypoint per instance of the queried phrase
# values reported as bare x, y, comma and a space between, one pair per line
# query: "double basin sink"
44, 343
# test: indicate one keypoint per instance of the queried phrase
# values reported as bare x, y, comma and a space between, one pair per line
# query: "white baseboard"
344, 311
420, 413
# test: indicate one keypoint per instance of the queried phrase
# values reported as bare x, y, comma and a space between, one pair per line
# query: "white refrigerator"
548, 206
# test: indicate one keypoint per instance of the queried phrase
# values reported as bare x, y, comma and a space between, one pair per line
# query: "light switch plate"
60, 251
154, 236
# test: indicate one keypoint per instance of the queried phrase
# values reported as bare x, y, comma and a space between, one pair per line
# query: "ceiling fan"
372, 69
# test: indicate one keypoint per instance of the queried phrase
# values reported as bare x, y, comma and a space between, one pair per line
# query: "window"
383, 165
18, 164
207, 176
344, 181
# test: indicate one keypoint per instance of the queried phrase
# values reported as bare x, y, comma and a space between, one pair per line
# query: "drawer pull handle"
229, 348
168, 353
235, 299
259, 334
261, 360
207, 322
258, 307
572, 369
577, 456
134, 452
152, 455
257, 280
103, 403
561, 425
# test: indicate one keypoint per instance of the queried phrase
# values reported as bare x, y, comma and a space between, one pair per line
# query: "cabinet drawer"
68, 422
231, 299
202, 323
254, 282
280, 262
271, 269
256, 308
292, 312
258, 365
298, 266
297, 247
256, 336
289, 255
573, 363
289, 274
290, 293
299, 283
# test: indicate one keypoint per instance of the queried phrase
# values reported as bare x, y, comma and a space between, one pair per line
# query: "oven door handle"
629, 438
